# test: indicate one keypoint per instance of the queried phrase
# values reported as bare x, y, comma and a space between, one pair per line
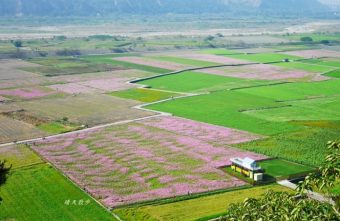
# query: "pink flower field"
207, 132
146, 160
262, 72
27, 93
112, 84
73, 88
94, 86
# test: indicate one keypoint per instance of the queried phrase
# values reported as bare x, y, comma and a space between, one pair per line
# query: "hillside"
106, 7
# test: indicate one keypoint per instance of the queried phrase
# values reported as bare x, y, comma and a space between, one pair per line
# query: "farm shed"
247, 167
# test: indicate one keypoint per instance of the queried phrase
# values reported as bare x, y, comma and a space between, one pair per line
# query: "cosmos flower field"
147, 160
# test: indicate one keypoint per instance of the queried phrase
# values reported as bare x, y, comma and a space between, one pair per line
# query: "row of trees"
284, 206
308, 39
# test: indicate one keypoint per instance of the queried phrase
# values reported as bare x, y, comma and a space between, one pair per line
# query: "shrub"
68, 52
306, 39
17, 43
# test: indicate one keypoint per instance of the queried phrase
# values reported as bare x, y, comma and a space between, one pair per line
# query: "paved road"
313, 195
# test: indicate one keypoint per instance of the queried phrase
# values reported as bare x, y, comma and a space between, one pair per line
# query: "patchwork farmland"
150, 136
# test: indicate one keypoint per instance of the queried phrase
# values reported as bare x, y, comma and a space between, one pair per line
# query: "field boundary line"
190, 69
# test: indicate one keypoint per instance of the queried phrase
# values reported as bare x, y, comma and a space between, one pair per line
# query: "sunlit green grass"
305, 67
190, 210
314, 36
293, 91
335, 73
307, 146
18, 156
226, 108
198, 82
278, 168
41, 193
331, 62
144, 95
57, 128
264, 57
312, 109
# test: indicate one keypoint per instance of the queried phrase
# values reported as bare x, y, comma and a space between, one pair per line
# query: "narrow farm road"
313, 195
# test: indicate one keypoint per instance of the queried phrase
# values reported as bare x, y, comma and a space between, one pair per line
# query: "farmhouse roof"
247, 163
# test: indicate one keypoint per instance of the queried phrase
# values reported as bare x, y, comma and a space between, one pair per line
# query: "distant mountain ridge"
106, 7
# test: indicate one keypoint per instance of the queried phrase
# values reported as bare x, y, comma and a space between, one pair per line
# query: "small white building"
247, 167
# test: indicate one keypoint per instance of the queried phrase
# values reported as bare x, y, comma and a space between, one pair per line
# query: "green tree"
283, 206
4, 171
17, 43
325, 42
306, 39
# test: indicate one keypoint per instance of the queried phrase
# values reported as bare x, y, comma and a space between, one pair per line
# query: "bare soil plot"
214, 58
314, 53
94, 86
98, 82
153, 63
81, 109
136, 162
27, 93
22, 82
56, 66
108, 85
9, 69
12, 130
264, 72
131, 74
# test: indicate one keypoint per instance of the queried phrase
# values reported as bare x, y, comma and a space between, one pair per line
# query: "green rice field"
325, 108
335, 73
198, 82
293, 91
305, 67
203, 208
226, 108
306, 146
330, 62
47, 194
264, 57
